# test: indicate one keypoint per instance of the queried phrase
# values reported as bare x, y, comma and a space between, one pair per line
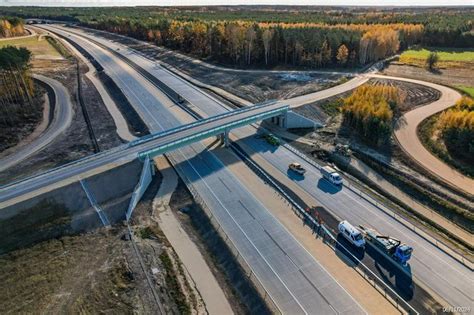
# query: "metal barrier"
325, 232
385, 208
271, 304
143, 183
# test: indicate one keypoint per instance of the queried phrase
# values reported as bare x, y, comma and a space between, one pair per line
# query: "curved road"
32, 33
406, 135
62, 120
406, 127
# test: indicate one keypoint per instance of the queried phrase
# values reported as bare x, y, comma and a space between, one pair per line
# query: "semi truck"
388, 246
331, 175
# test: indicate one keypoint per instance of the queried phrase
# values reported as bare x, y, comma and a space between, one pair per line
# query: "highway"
292, 277
62, 119
164, 141
435, 269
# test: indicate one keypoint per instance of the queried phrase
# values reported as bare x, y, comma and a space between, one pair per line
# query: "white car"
296, 167
351, 233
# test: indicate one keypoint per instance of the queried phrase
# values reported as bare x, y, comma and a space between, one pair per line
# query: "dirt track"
406, 134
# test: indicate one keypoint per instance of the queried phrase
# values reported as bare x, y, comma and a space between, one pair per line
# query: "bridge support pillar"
224, 138
279, 120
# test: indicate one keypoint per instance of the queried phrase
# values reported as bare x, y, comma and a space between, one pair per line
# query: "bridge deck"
151, 145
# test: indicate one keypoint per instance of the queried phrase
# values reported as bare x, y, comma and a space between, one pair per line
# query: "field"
444, 54
448, 57
468, 89
39, 46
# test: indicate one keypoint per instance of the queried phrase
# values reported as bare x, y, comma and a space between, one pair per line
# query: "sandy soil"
252, 86
75, 142
450, 77
94, 272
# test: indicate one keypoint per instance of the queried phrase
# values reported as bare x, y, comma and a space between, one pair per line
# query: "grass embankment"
448, 57
83, 274
38, 45
467, 89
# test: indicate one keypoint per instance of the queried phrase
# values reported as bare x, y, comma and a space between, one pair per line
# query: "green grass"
40, 48
444, 54
468, 89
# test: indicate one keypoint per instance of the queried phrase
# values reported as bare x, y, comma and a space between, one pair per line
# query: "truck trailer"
388, 246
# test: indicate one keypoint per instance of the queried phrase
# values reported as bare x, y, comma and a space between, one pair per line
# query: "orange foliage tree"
369, 110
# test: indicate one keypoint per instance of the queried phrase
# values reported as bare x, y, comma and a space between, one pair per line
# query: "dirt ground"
89, 273
75, 143
101, 271
451, 77
12, 135
182, 204
252, 86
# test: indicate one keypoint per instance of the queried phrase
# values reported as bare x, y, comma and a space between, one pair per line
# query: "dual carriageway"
295, 281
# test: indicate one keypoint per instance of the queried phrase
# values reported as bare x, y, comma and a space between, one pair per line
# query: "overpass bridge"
144, 148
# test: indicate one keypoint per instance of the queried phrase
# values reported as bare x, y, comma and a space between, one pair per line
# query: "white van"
331, 175
351, 233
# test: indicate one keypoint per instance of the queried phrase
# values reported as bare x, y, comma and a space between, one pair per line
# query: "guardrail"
78, 161
259, 286
199, 123
324, 232
385, 208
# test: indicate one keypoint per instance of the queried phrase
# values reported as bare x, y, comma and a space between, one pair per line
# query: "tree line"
457, 129
10, 27
266, 36
16, 85
442, 26
270, 44
369, 110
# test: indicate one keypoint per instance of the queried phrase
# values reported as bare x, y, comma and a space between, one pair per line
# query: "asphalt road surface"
293, 278
61, 121
432, 267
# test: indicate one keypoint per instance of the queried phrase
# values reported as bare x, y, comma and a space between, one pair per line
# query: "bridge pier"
224, 138
292, 120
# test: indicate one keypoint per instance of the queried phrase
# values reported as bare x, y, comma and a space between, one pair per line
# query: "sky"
234, 2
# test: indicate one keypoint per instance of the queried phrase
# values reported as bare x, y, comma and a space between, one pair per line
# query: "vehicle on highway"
351, 233
297, 168
388, 246
331, 175
272, 139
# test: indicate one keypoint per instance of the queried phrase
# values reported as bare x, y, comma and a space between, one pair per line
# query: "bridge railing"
69, 164
142, 140
166, 147
199, 122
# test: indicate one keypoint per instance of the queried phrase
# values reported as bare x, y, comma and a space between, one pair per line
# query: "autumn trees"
10, 27
457, 129
369, 110
270, 36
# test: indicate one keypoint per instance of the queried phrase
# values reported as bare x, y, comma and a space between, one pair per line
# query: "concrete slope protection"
407, 136
62, 119
432, 267
293, 279
151, 145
